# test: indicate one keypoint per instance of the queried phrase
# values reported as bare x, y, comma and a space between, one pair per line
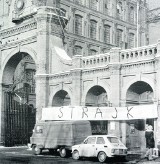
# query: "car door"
88, 148
100, 145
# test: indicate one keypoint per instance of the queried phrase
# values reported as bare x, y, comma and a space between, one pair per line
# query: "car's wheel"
102, 156
75, 155
62, 152
36, 150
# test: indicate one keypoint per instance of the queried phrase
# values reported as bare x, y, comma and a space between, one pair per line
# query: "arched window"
78, 50
131, 14
78, 24
94, 4
93, 29
119, 38
131, 40
106, 34
92, 52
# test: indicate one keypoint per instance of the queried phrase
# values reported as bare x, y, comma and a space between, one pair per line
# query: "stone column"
115, 67
77, 80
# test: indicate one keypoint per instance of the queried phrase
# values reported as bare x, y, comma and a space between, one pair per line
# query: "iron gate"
19, 120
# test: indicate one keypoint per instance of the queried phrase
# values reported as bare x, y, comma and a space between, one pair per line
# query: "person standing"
149, 135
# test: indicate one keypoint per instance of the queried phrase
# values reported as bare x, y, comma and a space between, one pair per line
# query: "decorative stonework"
18, 29
19, 5
25, 41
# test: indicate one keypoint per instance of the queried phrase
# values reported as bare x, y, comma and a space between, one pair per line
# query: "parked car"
58, 136
101, 146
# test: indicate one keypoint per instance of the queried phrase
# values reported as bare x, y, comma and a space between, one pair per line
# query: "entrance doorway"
97, 97
19, 100
139, 93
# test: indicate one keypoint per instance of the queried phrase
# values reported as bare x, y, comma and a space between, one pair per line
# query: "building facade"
32, 39
96, 26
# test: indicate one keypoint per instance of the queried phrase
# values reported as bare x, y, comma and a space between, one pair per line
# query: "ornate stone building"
32, 45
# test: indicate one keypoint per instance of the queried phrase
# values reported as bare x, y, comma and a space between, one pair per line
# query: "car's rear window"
113, 139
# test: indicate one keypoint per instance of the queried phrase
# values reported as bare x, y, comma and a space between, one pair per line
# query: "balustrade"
136, 54
96, 60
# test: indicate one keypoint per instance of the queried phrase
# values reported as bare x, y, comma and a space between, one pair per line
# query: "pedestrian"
149, 142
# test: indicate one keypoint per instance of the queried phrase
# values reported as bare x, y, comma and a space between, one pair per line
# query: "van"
59, 136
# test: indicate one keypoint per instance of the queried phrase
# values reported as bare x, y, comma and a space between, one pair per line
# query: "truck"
59, 136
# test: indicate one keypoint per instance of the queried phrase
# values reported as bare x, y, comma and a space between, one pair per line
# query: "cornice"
25, 41
18, 29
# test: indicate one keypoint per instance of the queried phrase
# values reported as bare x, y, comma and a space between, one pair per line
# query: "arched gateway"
139, 93
19, 99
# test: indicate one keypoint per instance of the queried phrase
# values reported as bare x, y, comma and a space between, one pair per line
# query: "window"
119, 38
113, 139
131, 14
106, 34
131, 40
78, 24
92, 52
106, 6
119, 9
79, 2
78, 50
94, 4
100, 140
93, 29
90, 140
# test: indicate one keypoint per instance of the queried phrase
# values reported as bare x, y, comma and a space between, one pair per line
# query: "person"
149, 135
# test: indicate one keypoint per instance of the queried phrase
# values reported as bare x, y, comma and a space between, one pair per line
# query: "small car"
100, 146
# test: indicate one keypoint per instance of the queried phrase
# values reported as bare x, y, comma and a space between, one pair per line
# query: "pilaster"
115, 68
77, 80
157, 67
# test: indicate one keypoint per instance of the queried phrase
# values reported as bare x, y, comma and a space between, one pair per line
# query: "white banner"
99, 113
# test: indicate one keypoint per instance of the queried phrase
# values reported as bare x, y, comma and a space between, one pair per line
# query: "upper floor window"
93, 29
79, 2
92, 52
119, 38
78, 24
94, 4
131, 40
106, 6
106, 34
131, 14
119, 9
78, 50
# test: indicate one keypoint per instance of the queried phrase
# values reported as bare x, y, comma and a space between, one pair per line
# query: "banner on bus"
99, 113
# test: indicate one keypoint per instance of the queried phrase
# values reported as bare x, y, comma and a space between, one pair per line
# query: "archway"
139, 93
97, 97
19, 99
61, 98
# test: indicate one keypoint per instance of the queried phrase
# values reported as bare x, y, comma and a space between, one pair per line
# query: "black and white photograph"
79, 81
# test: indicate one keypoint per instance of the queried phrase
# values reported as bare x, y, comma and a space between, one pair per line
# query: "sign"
99, 113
